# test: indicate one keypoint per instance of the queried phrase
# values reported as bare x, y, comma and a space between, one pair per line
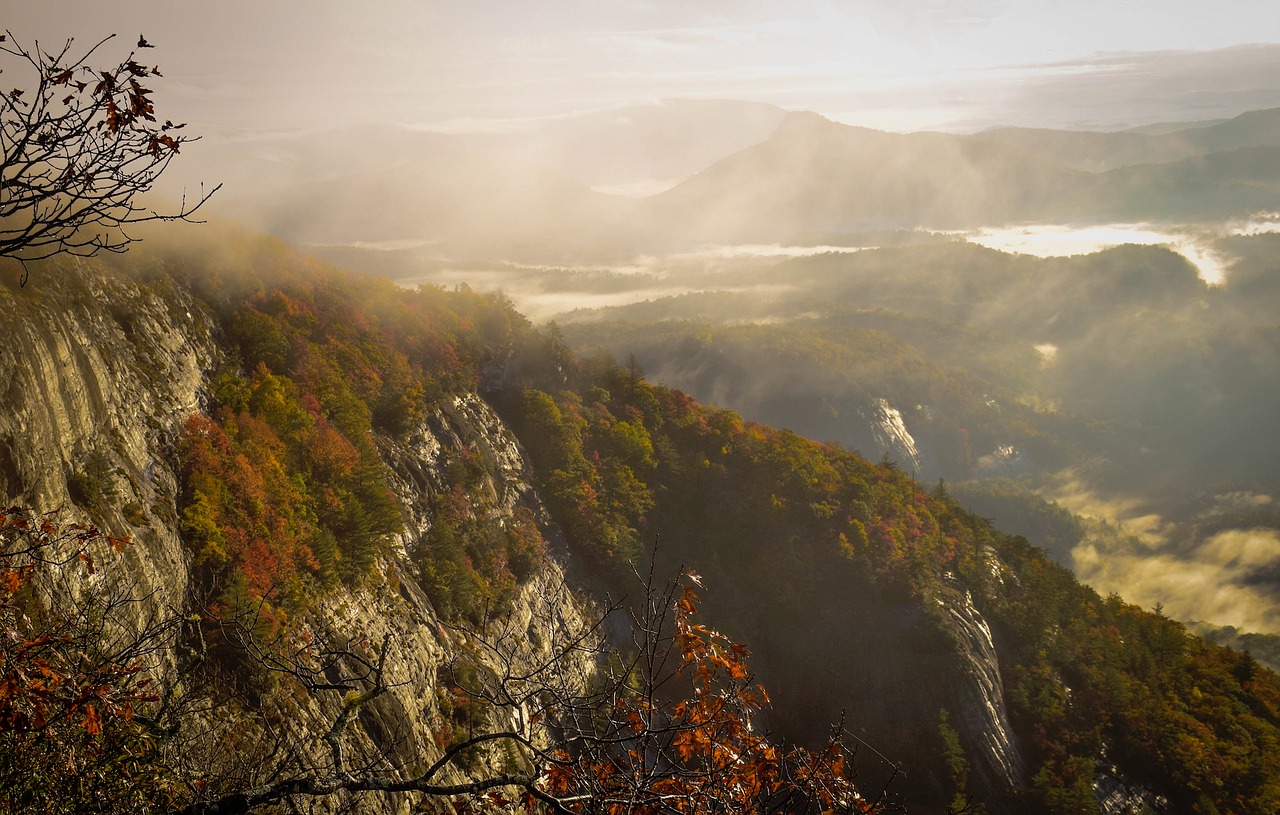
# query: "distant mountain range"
816, 180
736, 172
1083, 150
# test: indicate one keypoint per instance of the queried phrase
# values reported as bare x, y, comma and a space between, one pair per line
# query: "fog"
871, 218
1119, 383
1195, 243
1051, 240
1225, 577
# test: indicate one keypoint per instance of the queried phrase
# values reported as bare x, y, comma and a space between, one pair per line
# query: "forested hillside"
847, 576
1119, 385
964, 666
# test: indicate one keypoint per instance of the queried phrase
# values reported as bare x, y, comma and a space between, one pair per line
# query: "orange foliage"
713, 758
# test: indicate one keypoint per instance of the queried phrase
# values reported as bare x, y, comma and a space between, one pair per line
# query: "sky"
892, 64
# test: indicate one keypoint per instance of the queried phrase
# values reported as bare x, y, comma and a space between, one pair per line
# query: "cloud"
1226, 578
1116, 90
1217, 582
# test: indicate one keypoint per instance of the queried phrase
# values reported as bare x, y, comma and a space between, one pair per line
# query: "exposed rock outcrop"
98, 372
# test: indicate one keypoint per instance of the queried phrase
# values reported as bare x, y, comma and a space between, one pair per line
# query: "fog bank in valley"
1081, 317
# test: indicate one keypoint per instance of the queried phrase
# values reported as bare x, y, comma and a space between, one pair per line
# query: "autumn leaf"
92, 723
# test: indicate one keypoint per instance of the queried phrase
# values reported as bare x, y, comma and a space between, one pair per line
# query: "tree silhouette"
80, 145
664, 723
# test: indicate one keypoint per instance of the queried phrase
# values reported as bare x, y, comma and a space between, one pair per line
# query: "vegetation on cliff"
837, 570
284, 489
799, 534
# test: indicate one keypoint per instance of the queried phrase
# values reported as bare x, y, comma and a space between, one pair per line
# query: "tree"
664, 725
80, 145
80, 711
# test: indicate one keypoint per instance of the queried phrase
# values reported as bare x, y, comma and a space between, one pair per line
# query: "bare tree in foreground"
81, 711
664, 726
568, 725
79, 145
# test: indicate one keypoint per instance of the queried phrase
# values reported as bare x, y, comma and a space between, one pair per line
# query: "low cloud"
1222, 579
1215, 584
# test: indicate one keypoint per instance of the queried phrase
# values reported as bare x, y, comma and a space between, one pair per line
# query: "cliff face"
99, 371
999, 763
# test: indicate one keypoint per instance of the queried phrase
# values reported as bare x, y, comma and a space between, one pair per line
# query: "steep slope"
100, 370
103, 371
342, 474
893, 610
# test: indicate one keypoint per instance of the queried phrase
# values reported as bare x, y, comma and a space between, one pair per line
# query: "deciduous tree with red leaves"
662, 726
78, 703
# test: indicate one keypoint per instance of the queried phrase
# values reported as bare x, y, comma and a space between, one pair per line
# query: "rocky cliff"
97, 372
960, 655
100, 370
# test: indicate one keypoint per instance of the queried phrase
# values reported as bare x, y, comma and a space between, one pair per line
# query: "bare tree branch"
78, 147
662, 726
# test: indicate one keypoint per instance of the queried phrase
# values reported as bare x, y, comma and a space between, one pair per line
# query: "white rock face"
98, 373
891, 434
999, 761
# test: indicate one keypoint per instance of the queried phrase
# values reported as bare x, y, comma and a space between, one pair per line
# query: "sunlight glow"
1056, 240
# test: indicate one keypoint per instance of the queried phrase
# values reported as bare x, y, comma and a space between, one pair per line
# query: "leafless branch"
78, 147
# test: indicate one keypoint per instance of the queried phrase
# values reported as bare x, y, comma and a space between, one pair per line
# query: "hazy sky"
894, 64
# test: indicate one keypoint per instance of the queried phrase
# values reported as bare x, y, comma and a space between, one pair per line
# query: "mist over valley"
1084, 318
524, 391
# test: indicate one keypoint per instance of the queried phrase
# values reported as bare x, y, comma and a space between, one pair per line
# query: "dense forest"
1117, 385
844, 576
805, 541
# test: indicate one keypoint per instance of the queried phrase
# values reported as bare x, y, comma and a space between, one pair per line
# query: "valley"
502, 468
1123, 371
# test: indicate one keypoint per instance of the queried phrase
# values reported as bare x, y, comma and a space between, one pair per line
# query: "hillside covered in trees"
962, 666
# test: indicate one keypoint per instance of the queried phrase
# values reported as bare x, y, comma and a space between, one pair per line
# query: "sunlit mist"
1055, 240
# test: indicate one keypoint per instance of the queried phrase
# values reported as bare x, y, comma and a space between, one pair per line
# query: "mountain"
313, 445
1117, 385
815, 177
1095, 151
818, 181
417, 203
492, 193
641, 149
108, 374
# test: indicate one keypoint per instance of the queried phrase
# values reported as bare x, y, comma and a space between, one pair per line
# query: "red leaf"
92, 723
